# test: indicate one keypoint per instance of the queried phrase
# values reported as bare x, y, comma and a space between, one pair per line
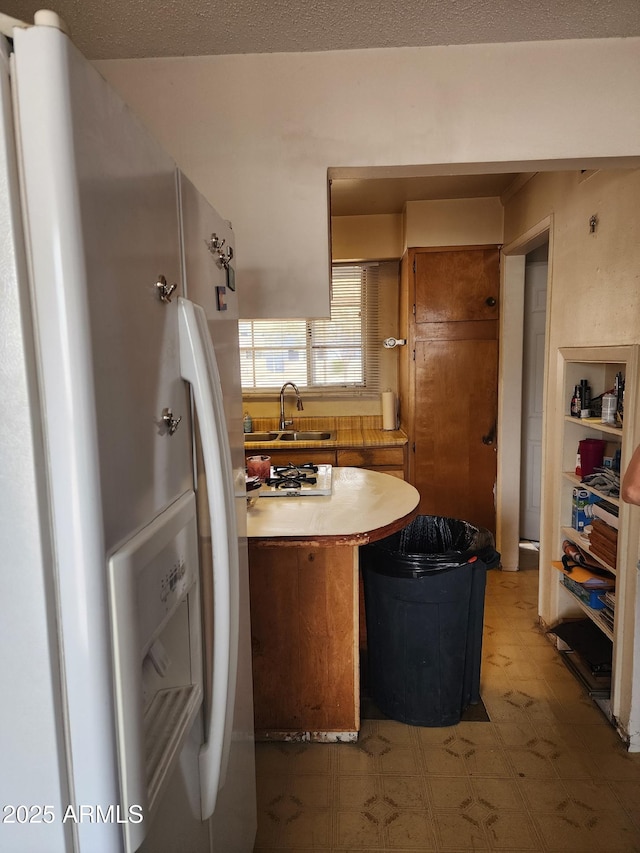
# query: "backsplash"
314, 405
348, 422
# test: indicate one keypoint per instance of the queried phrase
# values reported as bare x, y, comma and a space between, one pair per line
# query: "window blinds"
338, 354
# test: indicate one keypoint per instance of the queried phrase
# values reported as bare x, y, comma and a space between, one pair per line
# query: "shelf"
595, 423
576, 481
594, 615
597, 688
583, 541
599, 365
591, 613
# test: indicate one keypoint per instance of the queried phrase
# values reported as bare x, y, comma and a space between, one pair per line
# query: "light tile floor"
547, 773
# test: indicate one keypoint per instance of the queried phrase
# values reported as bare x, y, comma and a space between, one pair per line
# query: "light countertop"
364, 506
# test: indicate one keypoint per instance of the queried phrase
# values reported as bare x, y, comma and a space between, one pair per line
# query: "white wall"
257, 133
593, 299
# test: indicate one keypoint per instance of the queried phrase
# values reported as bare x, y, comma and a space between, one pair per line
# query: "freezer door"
32, 753
102, 226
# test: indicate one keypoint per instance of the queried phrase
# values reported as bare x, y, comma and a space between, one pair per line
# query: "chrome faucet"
284, 423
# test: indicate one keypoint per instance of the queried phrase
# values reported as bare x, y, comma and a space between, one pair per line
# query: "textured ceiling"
115, 29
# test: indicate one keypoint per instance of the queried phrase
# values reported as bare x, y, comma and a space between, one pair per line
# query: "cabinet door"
387, 460
454, 431
304, 638
296, 457
457, 285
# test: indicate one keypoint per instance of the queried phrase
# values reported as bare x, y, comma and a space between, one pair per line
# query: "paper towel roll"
388, 410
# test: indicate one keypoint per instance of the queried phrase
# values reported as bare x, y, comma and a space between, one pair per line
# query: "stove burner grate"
292, 470
287, 482
292, 476
294, 480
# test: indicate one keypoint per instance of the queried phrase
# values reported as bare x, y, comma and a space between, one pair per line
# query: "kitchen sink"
290, 435
308, 435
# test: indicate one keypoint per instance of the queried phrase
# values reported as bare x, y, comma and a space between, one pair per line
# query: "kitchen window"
339, 355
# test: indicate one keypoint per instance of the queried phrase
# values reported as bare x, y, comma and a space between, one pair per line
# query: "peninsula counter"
303, 565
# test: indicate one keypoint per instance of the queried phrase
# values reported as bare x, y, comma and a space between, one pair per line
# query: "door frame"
512, 283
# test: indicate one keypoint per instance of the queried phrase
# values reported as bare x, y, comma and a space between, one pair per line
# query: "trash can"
424, 604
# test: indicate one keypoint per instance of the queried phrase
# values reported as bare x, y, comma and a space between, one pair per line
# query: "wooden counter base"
304, 605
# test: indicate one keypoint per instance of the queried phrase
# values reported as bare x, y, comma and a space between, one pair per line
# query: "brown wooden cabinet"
299, 456
449, 378
304, 613
387, 460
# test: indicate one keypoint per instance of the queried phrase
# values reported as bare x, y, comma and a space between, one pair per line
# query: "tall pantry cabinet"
449, 315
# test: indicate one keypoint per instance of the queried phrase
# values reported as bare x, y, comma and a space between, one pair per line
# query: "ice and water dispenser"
156, 624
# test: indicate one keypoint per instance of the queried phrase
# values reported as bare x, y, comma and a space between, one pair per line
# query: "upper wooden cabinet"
453, 285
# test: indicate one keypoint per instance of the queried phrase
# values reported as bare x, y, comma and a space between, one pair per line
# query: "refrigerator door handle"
198, 366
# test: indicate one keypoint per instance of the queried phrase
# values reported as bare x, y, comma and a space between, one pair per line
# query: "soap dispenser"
247, 423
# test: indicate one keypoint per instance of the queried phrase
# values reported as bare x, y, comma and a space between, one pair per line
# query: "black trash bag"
424, 602
432, 543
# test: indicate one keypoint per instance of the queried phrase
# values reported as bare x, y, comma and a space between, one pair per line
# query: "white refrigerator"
126, 721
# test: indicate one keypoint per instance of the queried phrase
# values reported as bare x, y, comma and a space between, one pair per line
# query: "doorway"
513, 399
535, 310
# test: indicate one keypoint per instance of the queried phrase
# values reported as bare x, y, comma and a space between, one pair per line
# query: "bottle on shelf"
585, 398
609, 408
576, 402
618, 390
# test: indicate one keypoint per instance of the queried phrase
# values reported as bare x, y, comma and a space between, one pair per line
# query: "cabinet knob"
490, 301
